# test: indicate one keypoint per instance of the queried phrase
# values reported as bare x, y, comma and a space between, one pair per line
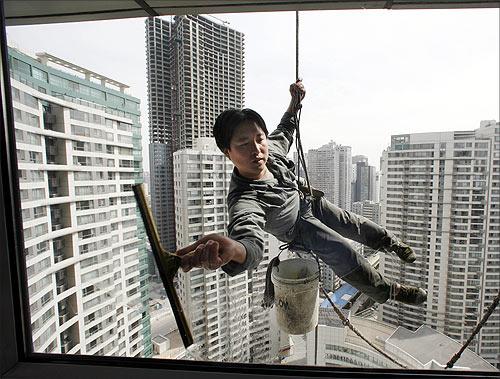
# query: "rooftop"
431, 347
46, 57
341, 296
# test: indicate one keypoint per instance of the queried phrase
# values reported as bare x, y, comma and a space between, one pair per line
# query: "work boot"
408, 294
403, 251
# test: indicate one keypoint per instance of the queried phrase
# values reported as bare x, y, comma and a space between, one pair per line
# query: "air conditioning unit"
63, 318
66, 346
61, 287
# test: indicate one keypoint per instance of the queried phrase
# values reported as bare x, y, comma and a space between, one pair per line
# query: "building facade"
364, 179
195, 71
370, 210
440, 192
330, 171
79, 153
227, 320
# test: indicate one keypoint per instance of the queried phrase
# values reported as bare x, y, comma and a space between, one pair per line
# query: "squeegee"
167, 264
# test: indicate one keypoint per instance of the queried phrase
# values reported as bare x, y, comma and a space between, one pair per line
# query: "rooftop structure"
335, 344
44, 58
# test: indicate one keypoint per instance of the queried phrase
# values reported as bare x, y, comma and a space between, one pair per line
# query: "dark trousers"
323, 228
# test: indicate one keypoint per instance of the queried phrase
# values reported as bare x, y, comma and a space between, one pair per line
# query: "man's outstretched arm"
242, 250
211, 252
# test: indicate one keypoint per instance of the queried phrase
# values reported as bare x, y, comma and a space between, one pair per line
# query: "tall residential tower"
440, 193
330, 171
225, 312
195, 71
364, 179
79, 153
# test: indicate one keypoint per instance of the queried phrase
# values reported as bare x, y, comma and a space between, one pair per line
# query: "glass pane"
399, 126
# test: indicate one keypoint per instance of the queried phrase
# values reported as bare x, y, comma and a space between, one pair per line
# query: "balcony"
60, 216
58, 183
65, 279
61, 286
53, 117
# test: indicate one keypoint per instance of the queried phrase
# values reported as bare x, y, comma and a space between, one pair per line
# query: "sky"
369, 74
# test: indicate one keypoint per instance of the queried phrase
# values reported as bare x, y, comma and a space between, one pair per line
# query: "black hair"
227, 121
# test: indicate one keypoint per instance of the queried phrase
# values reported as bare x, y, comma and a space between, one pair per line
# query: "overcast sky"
368, 74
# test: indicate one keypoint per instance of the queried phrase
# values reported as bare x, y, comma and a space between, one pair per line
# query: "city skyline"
426, 68
51, 154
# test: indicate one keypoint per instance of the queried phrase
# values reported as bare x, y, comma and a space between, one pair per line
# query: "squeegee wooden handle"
167, 264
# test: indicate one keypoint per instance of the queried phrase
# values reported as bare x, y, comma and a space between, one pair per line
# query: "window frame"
16, 356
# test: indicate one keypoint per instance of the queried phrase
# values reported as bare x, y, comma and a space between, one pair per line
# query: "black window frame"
16, 356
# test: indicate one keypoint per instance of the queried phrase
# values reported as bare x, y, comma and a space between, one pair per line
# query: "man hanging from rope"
264, 196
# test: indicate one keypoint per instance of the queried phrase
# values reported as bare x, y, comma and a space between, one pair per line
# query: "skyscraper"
329, 169
440, 192
195, 71
371, 211
79, 153
345, 178
225, 312
364, 179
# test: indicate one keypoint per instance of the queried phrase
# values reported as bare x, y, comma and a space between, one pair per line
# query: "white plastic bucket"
296, 283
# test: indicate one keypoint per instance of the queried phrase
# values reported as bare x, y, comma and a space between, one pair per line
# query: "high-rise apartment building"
225, 313
79, 153
364, 179
440, 193
345, 178
371, 211
329, 169
195, 71
368, 209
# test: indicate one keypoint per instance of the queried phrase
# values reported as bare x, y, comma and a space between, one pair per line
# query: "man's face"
248, 150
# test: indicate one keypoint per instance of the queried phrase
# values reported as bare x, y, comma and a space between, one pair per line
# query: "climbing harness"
476, 330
